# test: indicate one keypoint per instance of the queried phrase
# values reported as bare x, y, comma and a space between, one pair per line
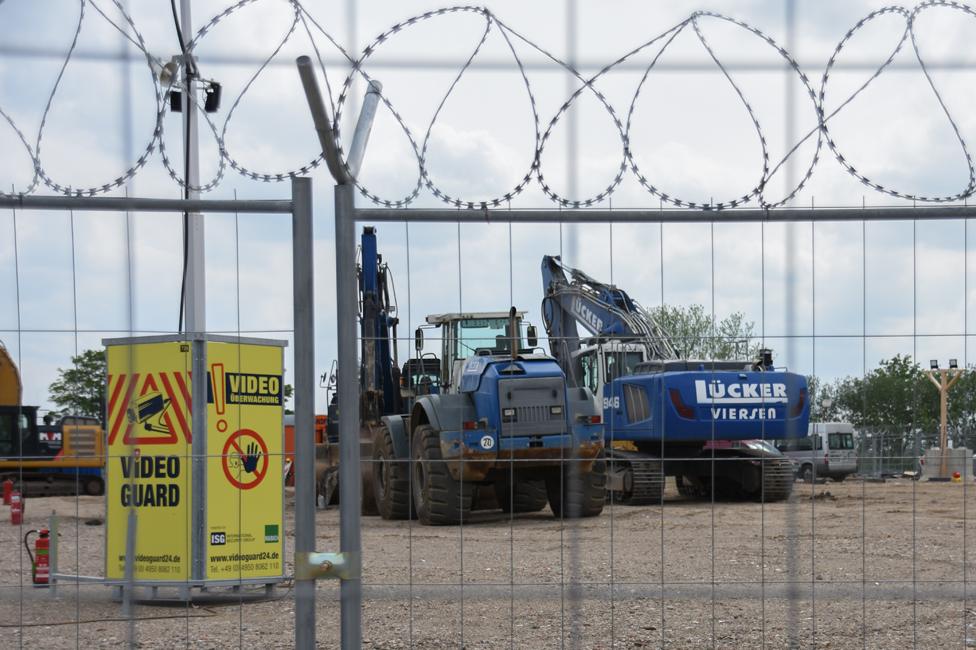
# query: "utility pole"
195, 297
196, 313
947, 379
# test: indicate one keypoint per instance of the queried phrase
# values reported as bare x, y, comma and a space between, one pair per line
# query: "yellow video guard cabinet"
204, 506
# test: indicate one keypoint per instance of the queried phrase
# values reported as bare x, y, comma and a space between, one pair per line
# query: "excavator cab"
13, 429
18, 432
598, 363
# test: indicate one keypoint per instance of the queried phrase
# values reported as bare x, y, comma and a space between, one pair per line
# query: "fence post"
348, 389
198, 454
302, 266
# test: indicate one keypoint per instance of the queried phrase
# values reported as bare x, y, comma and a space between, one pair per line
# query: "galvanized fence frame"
300, 208
346, 218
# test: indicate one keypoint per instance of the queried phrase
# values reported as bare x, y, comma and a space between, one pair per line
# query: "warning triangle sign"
157, 415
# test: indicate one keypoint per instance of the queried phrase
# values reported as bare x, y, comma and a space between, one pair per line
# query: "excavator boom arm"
11, 390
573, 298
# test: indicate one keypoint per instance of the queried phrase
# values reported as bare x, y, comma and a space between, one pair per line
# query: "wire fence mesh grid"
681, 573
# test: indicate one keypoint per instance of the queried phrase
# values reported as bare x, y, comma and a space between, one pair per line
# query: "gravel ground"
853, 564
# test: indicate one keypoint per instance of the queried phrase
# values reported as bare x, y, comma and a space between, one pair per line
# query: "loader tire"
327, 485
521, 495
438, 499
583, 495
391, 478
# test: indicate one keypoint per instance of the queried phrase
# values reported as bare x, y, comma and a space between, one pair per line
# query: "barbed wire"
420, 144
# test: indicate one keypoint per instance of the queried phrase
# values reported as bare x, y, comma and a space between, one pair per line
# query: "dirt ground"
878, 565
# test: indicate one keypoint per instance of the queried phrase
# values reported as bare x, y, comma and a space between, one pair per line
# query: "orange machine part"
320, 422
10, 390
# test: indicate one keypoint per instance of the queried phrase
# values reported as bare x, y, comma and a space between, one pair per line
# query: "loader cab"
466, 335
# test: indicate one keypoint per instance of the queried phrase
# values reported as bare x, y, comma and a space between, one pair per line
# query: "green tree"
287, 392
824, 404
895, 401
896, 396
80, 389
962, 410
697, 335
897, 405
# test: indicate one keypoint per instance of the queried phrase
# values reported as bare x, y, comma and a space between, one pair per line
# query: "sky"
860, 292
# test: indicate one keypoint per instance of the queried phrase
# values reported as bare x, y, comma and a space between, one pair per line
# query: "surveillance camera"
168, 73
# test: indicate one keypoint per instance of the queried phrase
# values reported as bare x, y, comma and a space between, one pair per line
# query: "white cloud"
691, 137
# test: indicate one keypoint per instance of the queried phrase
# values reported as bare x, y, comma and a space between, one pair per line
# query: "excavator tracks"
59, 487
777, 480
644, 482
747, 478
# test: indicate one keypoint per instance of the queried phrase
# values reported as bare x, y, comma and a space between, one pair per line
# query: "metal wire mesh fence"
634, 469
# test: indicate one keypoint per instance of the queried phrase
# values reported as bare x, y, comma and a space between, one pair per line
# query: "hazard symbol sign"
151, 408
245, 459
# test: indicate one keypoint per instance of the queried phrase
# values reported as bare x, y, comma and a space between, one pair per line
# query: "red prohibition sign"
259, 471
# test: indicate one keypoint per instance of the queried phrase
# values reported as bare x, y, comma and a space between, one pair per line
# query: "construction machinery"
65, 457
705, 422
384, 387
504, 418
379, 376
489, 416
321, 423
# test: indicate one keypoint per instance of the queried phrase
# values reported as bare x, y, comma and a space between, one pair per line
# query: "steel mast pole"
195, 312
196, 293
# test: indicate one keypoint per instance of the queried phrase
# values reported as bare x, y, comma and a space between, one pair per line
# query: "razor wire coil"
623, 121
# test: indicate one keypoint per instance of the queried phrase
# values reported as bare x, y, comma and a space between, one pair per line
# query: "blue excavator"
708, 423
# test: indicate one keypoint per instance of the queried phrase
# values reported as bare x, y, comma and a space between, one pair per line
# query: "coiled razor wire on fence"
535, 173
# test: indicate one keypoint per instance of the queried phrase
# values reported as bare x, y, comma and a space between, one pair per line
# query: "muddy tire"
391, 478
582, 497
327, 485
438, 499
528, 495
483, 497
367, 505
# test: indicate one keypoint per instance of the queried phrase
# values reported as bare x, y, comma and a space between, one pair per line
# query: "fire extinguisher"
40, 559
8, 489
16, 509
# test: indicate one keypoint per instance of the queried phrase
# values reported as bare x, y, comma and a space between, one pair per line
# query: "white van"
836, 442
828, 451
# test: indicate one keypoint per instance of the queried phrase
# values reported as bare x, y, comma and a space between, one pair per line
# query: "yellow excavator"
66, 457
